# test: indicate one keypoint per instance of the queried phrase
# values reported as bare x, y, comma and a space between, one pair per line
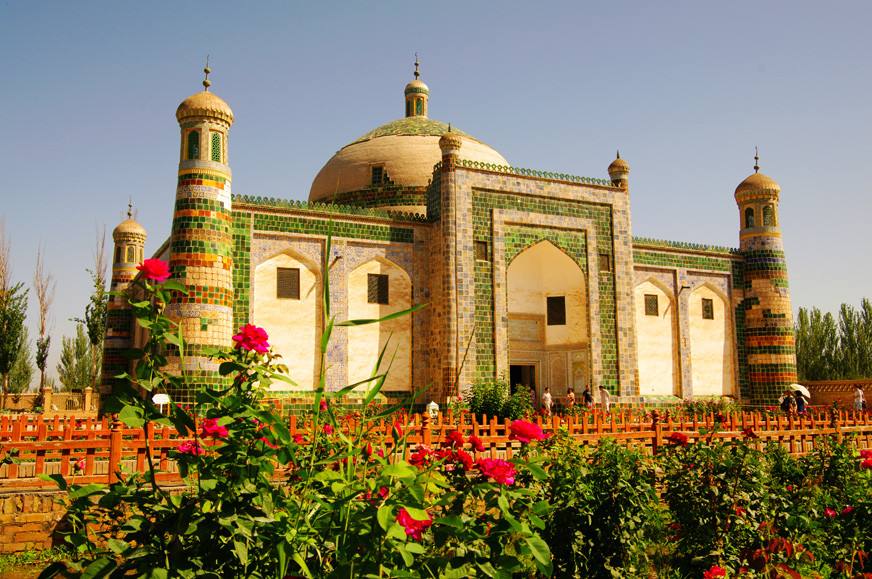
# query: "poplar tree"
13, 308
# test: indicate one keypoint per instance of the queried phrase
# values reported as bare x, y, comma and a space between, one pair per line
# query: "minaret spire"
417, 74
130, 207
206, 82
756, 159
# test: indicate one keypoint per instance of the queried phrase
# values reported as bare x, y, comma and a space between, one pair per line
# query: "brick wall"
28, 520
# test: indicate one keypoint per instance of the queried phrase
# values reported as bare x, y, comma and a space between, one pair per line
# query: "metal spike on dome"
206, 70
756, 159
417, 74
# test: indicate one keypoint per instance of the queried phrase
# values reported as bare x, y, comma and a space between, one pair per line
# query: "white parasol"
802, 389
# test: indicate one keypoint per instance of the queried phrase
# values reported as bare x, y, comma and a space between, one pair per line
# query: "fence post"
115, 450
658, 432
834, 423
86, 405
426, 435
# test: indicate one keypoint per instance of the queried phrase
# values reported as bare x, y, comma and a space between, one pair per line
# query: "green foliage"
15, 561
96, 315
75, 365
495, 399
605, 514
21, 374
13, 308
830, 348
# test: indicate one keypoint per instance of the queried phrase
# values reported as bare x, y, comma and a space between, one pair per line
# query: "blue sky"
684, 89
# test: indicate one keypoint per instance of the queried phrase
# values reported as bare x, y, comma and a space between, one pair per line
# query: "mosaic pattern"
254, 202
294, 223
516, 239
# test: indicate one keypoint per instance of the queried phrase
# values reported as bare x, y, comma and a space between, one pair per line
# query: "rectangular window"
377, 288
651, 305
708, 309
216, 147
481, 250
288, 283
378, 175
194, 145
556, 310
605, 262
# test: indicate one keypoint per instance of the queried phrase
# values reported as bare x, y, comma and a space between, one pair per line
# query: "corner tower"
200, 243
129, 239
768, 318
417, 95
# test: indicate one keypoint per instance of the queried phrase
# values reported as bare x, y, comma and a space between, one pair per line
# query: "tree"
96, 310
44, 286
817, 345
74, 368
21, 374
13, 308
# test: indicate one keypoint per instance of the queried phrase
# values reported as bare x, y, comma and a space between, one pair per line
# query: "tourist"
587, 397
546, 402
800, 402
605, 399
787, 402
859, 399
570, 399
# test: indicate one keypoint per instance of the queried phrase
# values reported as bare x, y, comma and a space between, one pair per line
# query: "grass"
33, 557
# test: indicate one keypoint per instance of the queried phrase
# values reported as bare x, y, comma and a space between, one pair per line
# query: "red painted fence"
89, 450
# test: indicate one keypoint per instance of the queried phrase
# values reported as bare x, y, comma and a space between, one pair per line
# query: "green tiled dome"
411, 127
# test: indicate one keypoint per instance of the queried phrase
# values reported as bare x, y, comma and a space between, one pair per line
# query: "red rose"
251, 337
423, 457
749, 433
454, 439
211, 428
323, 405
266, 441
847, 511
397, 430
866, 453
328, 429
678, 439
524, 431
740, 511
501, 471
476, 443
714, 571
299, 438
829, 512
866, 463
154, 270
413, 527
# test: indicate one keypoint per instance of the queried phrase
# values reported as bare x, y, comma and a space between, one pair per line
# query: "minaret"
770, 349
201, 245
619, 172
417, 95
129, 239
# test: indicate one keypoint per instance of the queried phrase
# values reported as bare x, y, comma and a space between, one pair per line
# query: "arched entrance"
548, 325
711, 343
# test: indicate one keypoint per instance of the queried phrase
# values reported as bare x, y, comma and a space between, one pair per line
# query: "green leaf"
132, 416
541, 553
416, 548
399, 469
385, 516
241, 549
455, 521
58, 479
85, 491
418, 514
100, 567
208, 484
408, 559
386, 318
157, 573
117, 545
175, 285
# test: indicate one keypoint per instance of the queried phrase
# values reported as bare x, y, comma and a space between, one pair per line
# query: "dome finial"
756, 159
619, 154
417, 74
130, 207
206, 82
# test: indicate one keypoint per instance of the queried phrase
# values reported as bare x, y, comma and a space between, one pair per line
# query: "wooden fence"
90, 450
50, 403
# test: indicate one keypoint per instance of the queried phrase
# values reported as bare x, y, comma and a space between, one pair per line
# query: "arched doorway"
655, 339
375, 289
711, 343
287, 305
548, 326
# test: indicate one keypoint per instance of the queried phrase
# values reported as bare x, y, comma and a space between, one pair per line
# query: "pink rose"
714, 572
328, 429
454, 439
212, 429
323, 405
251, 337
413, 528
154, 270
191, 447
499, 470
524, 431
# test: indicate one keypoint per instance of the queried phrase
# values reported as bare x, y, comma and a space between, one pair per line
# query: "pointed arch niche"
287, 305
655, 339
548, 320
377, 288
711, 343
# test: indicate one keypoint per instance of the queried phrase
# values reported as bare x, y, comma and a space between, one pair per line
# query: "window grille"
556, 310
288, 283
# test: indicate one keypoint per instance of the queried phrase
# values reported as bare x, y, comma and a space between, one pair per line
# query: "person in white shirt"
546, 402
859, 399
605, 399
